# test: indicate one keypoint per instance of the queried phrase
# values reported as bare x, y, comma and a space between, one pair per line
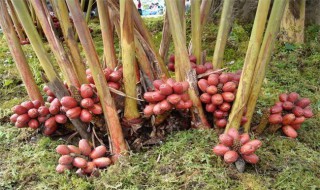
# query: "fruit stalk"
196, 30
249, 65
15, 21
264, 57
223, 33
165, 40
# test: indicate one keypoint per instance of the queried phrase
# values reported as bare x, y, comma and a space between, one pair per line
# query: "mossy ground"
184, 160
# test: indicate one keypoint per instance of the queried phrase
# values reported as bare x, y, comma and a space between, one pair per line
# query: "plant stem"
187, 73
109, 109
165, 40
15, 21
67, 30
54, 82
18, 54
250, 61
204, 11
89, 11
196, 30
223, 33
107, 34
264, 57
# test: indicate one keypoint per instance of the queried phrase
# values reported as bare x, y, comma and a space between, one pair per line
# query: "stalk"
204, 11
250, 62
109, 109
89, 11
107, 34
55, 46
223, 33
66, 27
165, 40
54, 81
18, 54
264, 56
196, 30
182, 15
15, 21
128, 59
187, 73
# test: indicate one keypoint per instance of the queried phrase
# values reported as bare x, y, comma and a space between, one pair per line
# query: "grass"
184, 160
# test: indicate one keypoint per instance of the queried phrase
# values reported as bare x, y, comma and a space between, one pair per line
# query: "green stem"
196, 30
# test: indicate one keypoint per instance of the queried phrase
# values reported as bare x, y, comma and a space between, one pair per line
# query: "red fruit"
208, 65
42, 119
87, 103
213, 79
276, 109
65, 159
85, 147
50, 98
218, 114
228, 96
79, 162
62, 149
220, 149
288, 119
74, 149
287, 105
171, 66
90, 79
165, 89
223, 78
255, 143
50, 93
45, 88
55, 102
278, 104
212, 90
85, 116
13, 118
217, 99
98, 152
203, 85
303, 102
185, 97
275, 118
96, 109
18, 109
50, 123
148, 110
102, 162
157, 84
174, 98
33, 124
24, 118
27, 104
185, 85
115, 76
283, 97
210, 108
221, 123
54, 110
298, 120
157, 109
165, 105
33, 113
244, 120
178, 88
251, 159
188, 104
229, 87
60, 118
293, 97
50, 127
205, 98
114, 85
225, 107
73, 113
289, 131
153, 96
180, 105
233, 133
297, 111
172, 58
226, 139
200, 69
61, 168
296, 126
96, 99
107, 73
89, 168
230, 156
20, 124
307, 112
247, 149
36, 103
69, 102
86, 91
170, 81
244, 138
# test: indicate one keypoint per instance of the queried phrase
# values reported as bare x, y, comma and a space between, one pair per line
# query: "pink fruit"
293, 97
228, 96
18, 109
157, 109
275, 118
24, 118
218, 114
69, 102
84, 147
287, 105
13, 118
226, 140
86, 91
27, 104
61, 168
255, 143
225, 106
79, 162
89, 168
233, 133
115, 76
165, 89
247, 149
288, 119
55, 102
185, 85
98, 152
165, 105
33, 124
221, 123
217, 99
289, 131
229, 87
213, 79
276, 109
62, 149
283, 97
42, 119
73, 113
157, 84
210, 108
33, 113
251, 159
54, 110
87, 103
303, 102
200, 69
96, 109
36, 103
203, 85
43, 111
174, 98
244, 120
205, 98
61, 118
153, 96
65, 159
244, 138
212, 90
220, 149
307, 112
297, 111
298, 120
74, 149
178, 88
102, 162
148, 110
230, 156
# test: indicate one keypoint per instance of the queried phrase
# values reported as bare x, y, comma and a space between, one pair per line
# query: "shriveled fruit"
220, 149
62, 149
230, 156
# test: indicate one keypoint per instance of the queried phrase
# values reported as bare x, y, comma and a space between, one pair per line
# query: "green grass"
185, 159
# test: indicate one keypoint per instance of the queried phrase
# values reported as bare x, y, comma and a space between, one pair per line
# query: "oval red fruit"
85, 147
289, 131
18, 109
275, 118
61, 118
217, 99
33, 113
69, 102
244, 138
293, 97
226, 139
230, 156
251, 159
79, 162
288, 119
87, 103
213, 79
33, 124
287, 105
62, 149
283, 97
220, 149
203, 85
228, 96
174, 98
165, 89
65, 159
233, 133
102, 162
86, 91
13, 118
303, 102
73, 113
229, 87
96, 109
221, 123
98, 152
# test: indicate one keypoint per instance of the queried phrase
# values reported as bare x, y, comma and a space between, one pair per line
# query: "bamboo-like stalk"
15, 21
264, 56
55, 46
204, 11
187, 73
128, 59
109, 109
66, 27
165, 40
83, 3
89, 11
18, 54
182, 14
54, 81
196, 30
107, 34
249, 65
223, 33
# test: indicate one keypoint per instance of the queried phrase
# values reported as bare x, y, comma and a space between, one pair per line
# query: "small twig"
212, 72
71, 136
95, 134
159, 157
123, 94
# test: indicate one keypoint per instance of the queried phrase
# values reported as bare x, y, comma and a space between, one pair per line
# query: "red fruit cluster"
219, 91
200, 69
29, 114
290, 112
167, 95
232, 146
113, 77
84, 157
88, 106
